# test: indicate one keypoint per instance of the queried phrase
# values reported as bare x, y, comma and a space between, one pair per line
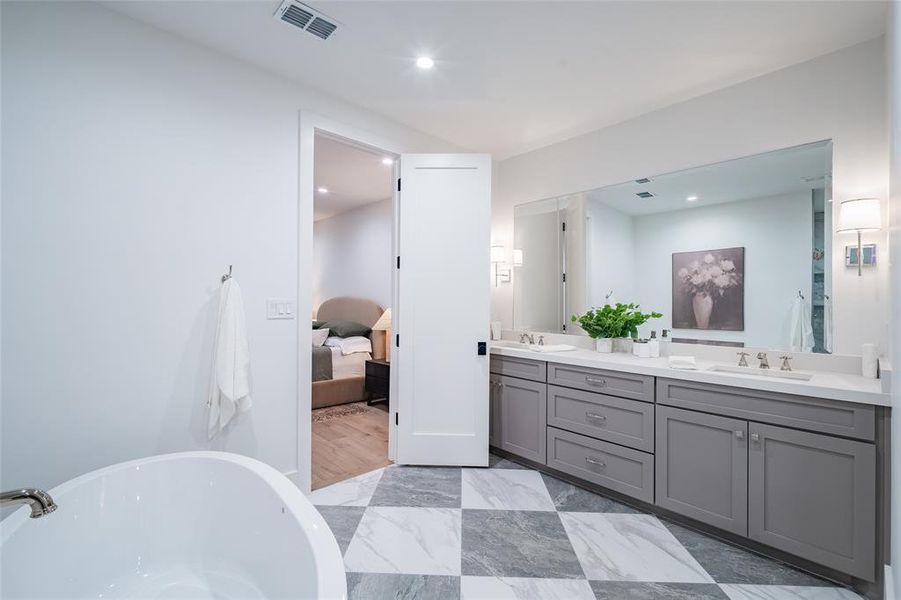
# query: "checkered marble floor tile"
510, 532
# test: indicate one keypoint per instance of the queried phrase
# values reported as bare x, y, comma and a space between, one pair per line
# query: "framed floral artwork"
709, 289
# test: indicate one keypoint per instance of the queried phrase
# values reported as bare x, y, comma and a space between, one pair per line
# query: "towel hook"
228, 275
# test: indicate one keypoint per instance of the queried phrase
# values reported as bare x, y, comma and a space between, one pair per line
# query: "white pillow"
350, 345
319, 337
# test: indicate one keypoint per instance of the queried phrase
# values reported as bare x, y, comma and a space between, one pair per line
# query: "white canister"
869, 360
604, 345
641, 348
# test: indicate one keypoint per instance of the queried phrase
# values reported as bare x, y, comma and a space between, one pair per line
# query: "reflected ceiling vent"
645, 195
306, 18
643, 180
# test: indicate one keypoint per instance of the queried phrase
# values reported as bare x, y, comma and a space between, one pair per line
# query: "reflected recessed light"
387, 161
692, 198
322, 190
425, 62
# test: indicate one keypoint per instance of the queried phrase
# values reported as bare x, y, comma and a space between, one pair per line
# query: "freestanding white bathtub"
193, 525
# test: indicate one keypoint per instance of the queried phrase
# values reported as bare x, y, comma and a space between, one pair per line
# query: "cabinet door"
494, 410
523, 410
814, 496
702, 467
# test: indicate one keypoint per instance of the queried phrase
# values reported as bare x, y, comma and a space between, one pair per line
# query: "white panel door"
443, 309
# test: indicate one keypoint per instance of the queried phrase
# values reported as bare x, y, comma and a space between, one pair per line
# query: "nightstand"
378, 379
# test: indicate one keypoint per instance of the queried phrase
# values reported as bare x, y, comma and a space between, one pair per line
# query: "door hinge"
398, 184
564, 225
564, 278
398, 262
564, 328
397, 340
396, 418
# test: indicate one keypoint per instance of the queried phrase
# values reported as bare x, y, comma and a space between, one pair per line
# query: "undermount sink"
510, 344
755, 372
533, 347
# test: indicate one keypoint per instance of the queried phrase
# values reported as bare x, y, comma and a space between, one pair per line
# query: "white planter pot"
604, 345
622, 345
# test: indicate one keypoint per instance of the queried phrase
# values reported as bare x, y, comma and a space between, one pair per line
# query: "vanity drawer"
614, 383
617, 420
623, 470
536, 370
799, 412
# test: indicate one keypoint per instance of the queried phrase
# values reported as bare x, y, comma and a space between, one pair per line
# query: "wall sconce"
856, 216
498, 253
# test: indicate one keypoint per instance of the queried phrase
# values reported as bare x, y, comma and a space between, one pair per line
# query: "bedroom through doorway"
352, 293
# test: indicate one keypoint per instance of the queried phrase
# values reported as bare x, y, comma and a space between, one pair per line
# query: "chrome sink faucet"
786, 366
526, 336
743, 359
764, 363
40, 501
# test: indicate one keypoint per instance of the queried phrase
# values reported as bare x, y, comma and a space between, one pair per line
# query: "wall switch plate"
279, 308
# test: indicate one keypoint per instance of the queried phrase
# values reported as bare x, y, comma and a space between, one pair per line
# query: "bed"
347, 372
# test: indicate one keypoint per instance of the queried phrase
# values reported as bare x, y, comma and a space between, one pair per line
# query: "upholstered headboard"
360, 310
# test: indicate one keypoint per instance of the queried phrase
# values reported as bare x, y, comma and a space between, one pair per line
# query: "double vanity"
792, 467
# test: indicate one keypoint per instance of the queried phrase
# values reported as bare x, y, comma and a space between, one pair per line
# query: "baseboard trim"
889, 593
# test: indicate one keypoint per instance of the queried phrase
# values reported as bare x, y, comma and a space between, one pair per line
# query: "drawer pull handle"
596, 462
740, 434
596, 416
755, 437
595, 381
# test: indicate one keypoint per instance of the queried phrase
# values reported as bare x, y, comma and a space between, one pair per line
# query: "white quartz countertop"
822, 384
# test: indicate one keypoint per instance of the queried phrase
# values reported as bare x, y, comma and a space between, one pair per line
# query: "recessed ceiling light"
387, 161
425, 62
691, 198
322, 190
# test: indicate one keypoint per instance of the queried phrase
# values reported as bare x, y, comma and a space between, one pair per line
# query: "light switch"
279, 308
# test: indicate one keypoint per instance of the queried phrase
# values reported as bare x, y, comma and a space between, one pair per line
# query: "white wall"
776, 233
893, 56
136, 167
839, 96
352, 254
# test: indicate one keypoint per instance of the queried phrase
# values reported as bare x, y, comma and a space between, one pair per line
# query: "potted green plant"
609, 322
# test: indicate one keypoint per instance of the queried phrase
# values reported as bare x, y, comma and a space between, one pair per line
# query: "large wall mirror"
730, 253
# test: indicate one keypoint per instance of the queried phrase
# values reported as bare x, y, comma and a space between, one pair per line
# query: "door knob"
740, 434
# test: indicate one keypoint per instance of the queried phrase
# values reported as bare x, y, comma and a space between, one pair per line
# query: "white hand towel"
683, 362
230, 379
800, 335
827, 324
551, 348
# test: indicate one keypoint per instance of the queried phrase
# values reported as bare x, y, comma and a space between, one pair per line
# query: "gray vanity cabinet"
494, 410
814, 496
702, 467
522, 405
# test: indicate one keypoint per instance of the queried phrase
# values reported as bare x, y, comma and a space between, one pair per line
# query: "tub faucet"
40, 501
764, 363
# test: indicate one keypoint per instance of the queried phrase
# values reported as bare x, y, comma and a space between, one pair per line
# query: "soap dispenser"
654, 345
665, 342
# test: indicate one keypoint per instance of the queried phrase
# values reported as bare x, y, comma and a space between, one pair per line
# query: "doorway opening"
352, 289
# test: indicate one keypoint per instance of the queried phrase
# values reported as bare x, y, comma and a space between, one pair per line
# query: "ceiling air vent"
643, 180
322, 28
645, 195
306, 18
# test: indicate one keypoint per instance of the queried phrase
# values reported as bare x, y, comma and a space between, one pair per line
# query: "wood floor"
348, 440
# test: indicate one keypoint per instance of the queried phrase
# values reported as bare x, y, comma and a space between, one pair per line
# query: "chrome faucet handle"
786, 366
764, 363
541, 340
523, 337
743, 359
